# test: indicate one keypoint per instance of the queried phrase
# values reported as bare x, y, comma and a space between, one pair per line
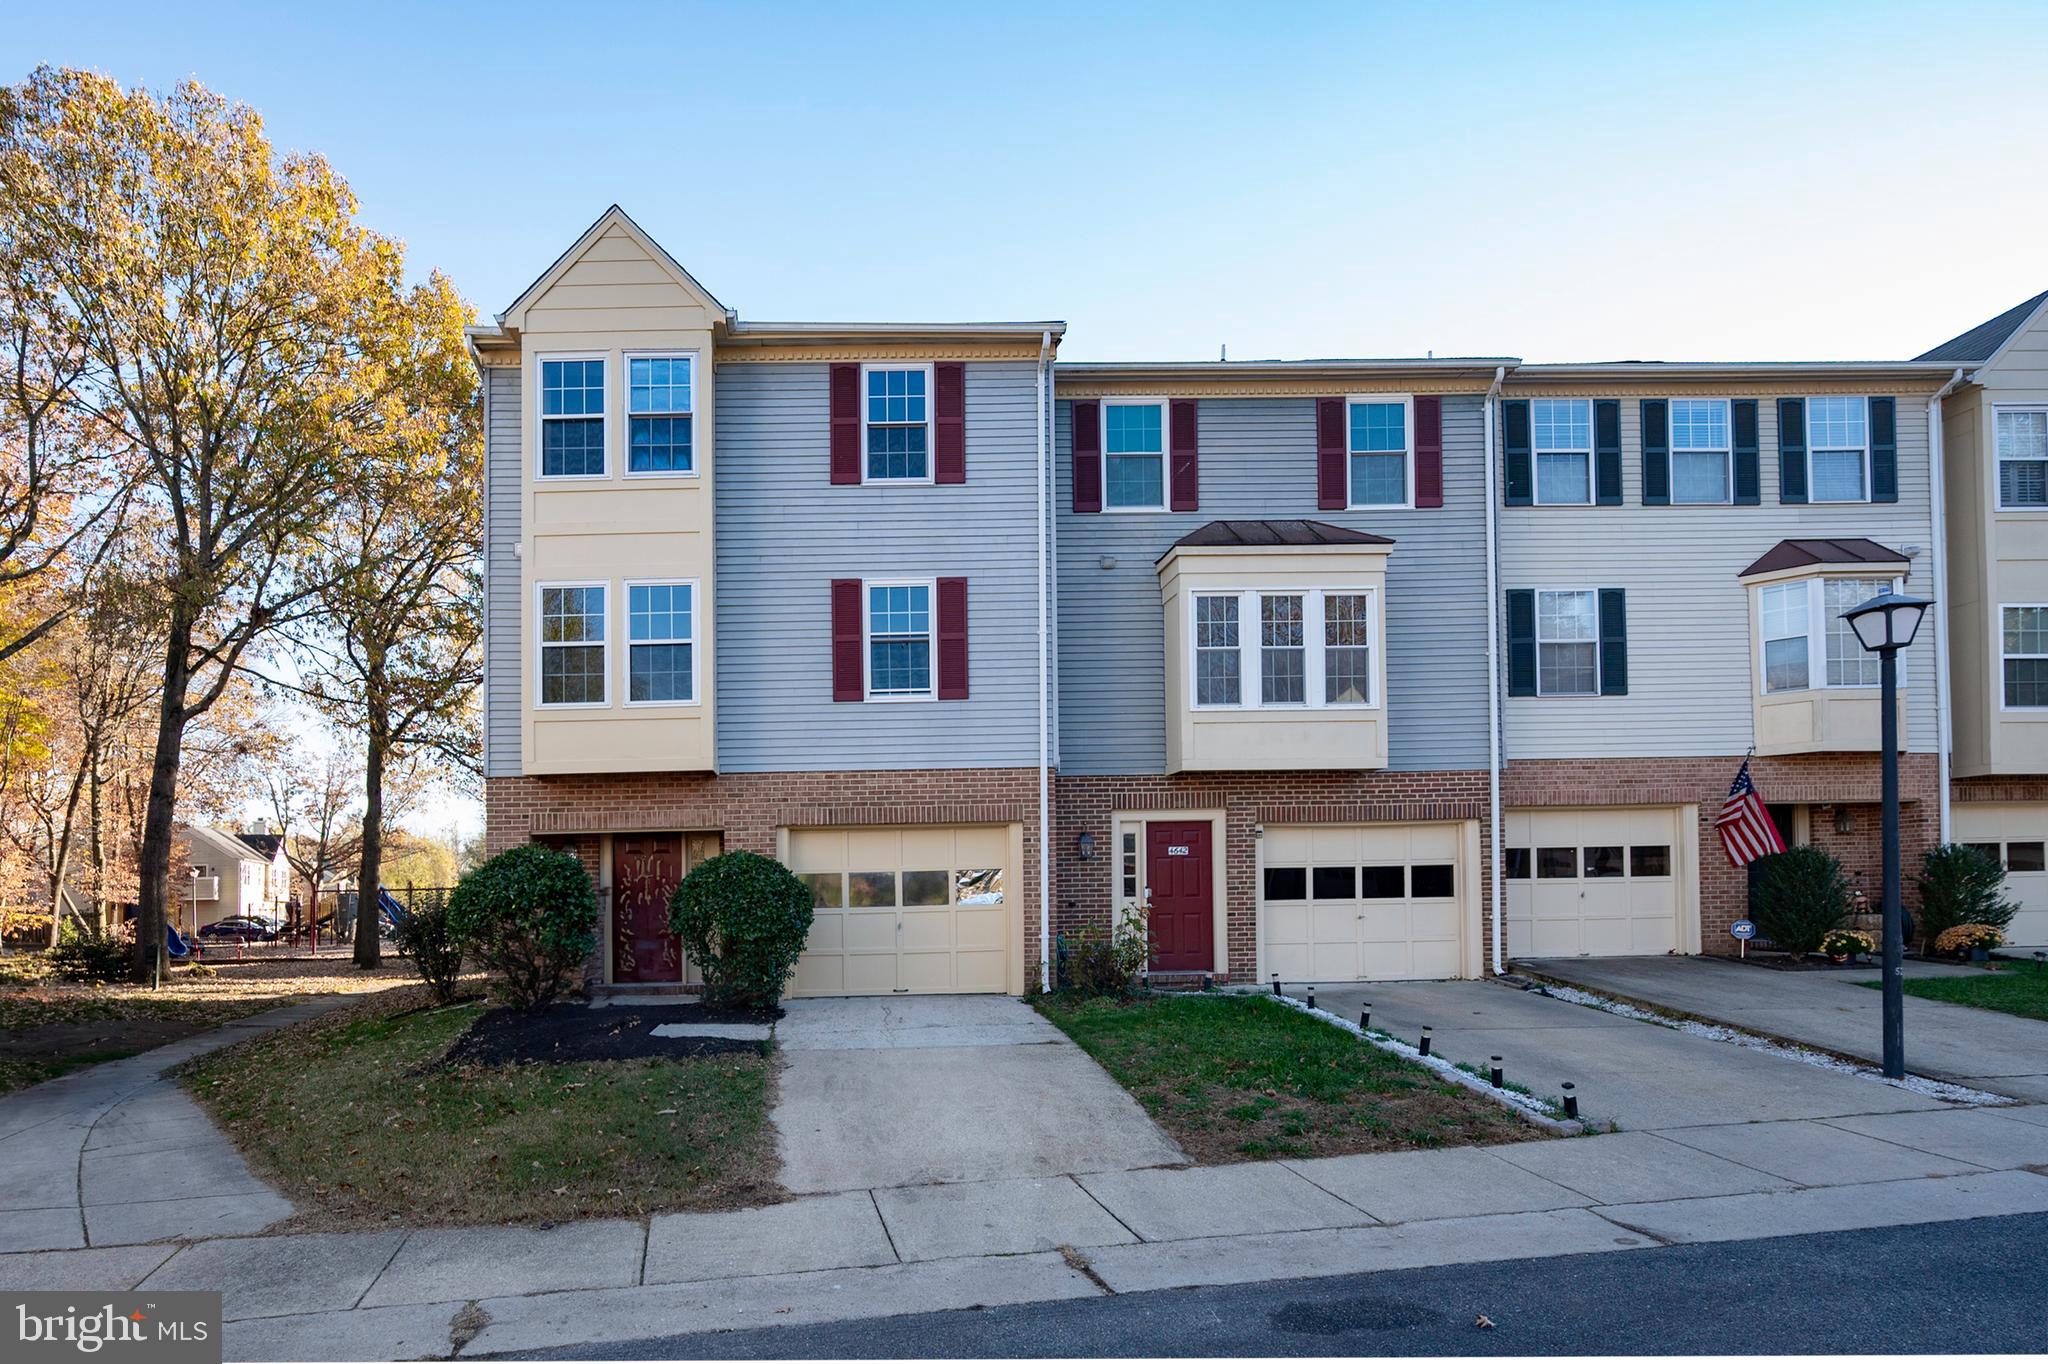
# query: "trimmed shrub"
1108, 961
742, 918
1960, 884
427, 939
88, 954
530, 915
1801, 896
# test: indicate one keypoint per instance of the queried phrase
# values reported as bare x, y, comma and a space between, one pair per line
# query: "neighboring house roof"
1982, 341
265, 844
1274, 534
1809, 553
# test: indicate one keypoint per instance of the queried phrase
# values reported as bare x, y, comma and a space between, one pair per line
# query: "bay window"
1805, 638
1313, 648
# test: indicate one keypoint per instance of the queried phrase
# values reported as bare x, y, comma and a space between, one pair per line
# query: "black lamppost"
1884, 625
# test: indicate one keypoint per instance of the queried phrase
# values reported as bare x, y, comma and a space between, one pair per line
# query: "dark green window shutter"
1607, 453
1522, 643
1748, 473
1884, 450
1791, 449
1514, 435
1613, 642
1656, 452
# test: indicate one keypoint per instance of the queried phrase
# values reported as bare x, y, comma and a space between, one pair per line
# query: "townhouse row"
1330, 670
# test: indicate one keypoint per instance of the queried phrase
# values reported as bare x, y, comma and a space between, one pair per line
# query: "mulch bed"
570, 1030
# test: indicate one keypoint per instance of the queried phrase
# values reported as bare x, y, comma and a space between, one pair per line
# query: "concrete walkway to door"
1832, 1010
945, 1089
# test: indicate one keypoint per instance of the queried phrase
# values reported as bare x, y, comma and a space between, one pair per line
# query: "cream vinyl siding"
1689, 622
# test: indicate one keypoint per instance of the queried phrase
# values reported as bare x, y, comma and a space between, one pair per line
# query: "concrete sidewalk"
117, 1155
1981, 1048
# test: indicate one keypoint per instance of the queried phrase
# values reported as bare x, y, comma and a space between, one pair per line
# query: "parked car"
240, 928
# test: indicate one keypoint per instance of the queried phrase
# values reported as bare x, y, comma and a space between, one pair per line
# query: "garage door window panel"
978, 886
1557, 864
922, 888
1649, 861
1383, 883
1286, 883
1335, 883
2026, 857
1603, 860
871, 889
1433, 881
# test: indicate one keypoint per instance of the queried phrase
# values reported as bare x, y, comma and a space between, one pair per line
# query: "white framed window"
1838, 449
573, 660
1561, 445
1312, 648
900, 640
572, 411
1378, 447
2023, 656
1134, 454
1568, 642
896, 433
1702, 453
1127, 864
1804, 637
661, 643
2022, 435
661, 409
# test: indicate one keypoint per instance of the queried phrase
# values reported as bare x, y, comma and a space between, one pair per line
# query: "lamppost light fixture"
1887, 621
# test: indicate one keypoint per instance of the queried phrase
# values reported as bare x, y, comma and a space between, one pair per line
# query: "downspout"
1493, 608
1937, 479
1044, 682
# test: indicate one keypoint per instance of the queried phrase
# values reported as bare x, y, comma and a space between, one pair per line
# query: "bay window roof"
1795, 554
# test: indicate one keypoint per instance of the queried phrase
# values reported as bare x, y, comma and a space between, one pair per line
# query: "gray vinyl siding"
784, 533
1690, 683
503, 468
1258, 461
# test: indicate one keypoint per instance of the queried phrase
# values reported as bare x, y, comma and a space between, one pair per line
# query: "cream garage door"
1363, 902
2016, 834
1594, 883
905, 910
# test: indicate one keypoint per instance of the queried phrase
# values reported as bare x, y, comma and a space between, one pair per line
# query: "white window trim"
1406, 402
626, 359
1807, 409
867, 639
1998, 625
931, 424
626, 642
540, 420
1998, 474
1314, 634
1726, 452
1816, 630
1536, 453
1598, 678
1165, 453
540, 649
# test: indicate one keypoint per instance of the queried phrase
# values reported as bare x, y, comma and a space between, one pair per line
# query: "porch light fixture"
1085, 845
1884, 625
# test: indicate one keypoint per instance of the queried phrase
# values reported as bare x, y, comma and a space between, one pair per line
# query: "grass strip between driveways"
1238, 1077
353, 1114
2014, 988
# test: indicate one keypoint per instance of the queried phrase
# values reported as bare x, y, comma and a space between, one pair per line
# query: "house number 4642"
1176, 850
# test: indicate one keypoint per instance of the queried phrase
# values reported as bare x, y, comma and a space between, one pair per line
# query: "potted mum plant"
1974, 941
1844, 945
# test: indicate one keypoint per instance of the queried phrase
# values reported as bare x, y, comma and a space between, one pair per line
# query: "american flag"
1746, 829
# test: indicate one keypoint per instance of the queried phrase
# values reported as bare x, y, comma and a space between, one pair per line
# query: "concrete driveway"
1637, 1075
944, 1089
1981, 1048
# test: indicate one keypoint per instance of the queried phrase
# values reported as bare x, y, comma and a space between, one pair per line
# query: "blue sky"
1550, 181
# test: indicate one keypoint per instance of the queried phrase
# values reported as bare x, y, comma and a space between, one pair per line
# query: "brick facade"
1084, 892
1851, 782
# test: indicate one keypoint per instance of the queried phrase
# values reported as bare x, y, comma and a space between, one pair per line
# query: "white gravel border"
1535, 1110
1717, 1032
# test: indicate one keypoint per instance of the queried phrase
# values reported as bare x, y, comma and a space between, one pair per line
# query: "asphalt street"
1945, 1288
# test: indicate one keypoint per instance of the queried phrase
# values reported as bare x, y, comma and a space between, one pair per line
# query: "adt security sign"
1743, 929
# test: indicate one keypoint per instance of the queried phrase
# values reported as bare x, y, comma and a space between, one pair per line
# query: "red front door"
646, 868
1183, 907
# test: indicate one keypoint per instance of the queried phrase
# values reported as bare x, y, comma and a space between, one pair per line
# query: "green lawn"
354, 1115
2013, 988
1238, 1077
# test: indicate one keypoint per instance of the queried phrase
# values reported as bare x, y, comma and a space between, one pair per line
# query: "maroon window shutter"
1429, 452
952, 639
1088, 457
845, 390
849, 677
1186, 459
1333, 492
949, 408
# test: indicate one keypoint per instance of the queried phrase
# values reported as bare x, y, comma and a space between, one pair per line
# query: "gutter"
1493, 697
1044, 676
1944, 716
